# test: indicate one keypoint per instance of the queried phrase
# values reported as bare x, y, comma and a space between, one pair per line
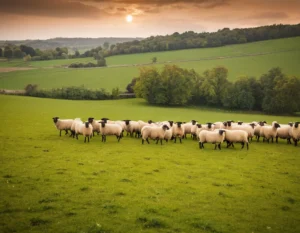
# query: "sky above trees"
43, 19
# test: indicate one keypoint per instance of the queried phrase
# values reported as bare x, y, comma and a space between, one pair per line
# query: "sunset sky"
43, 19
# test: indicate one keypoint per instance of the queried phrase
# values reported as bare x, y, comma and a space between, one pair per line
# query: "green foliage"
130, 86
154, 59
101, 62
8, 53
27, 58
17, 53
1, 52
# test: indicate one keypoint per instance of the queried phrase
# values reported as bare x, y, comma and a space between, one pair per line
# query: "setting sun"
129, 18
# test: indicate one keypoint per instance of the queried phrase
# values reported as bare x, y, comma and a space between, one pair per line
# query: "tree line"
273, 93
190, 39
176, 41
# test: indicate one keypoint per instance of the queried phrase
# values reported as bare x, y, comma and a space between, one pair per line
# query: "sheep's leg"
257, 138
288, 141
84, 139
215, 146
219, 146
119, 137
272, 140
160, 141
200, 146
175, 139
88, 139
157, 141
142, 141
247, 145
77, 136
243, 144
148, 141
276, 139
60, 133
180, 140
296, 141
66, 131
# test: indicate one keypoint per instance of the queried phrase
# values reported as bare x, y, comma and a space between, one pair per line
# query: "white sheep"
169, 134
62, 124
268, 132
73, 126
178, 131
220, 125
232, 136
95, 124
216, 137
257, 129
110, 129
284, 132
156, 133
132, 127
188, 127
85, 129
295, 132
249, 128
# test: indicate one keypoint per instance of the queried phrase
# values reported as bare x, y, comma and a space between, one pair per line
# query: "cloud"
269, 15
54, 8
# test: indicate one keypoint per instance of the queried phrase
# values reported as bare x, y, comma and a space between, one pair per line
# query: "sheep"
169, 134
110, 129
62, 124
249, 128
157, 133
86, 129
295, 132
232, 136
284, 132
178, 131
220, 125
215, 137
269, 131
95, 124
257, 129
73, 126
132, 127
142, 124
188, 127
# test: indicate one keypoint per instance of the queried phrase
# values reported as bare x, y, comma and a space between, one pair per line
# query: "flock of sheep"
215, 133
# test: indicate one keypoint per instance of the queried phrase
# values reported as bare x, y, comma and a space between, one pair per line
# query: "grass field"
58, 184
284, 53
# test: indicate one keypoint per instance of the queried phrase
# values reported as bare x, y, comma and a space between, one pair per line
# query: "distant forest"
104, 47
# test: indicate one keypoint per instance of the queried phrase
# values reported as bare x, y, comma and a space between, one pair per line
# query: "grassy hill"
59, 184
252, 59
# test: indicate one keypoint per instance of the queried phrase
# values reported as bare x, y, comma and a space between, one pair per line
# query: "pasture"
59, 184
251, 59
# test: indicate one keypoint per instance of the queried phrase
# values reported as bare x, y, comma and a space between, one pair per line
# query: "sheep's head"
229, 123
171, 123
252, 125
90, 119
199, 125
55, 119
209, 124
150, 122
297, 124
290, 124
165, 127
276, 125
87, 124
102, 123
179, 124
240, 122
221, 131
105, 119
193, 122
127, 122
225, 123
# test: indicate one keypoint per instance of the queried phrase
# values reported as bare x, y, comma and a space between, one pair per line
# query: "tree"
77, 54
1, 53
27, 50
154, 60
106, 45
101, 62
130, 86
30, 88
8, 53
17, 53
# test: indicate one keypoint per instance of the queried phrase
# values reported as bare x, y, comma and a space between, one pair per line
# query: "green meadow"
60, 184
251, 59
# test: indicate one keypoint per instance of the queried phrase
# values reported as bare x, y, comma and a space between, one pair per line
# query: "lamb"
62, 124
284, 132
86, 129
95, 124
216, 137
132, 127
110, 129
295, 132
269, 131
178, 131
157, 133
232, 136
73, 126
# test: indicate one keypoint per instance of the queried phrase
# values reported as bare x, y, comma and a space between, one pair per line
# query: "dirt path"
10, 69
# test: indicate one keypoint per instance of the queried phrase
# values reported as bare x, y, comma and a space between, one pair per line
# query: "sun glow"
129, 18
